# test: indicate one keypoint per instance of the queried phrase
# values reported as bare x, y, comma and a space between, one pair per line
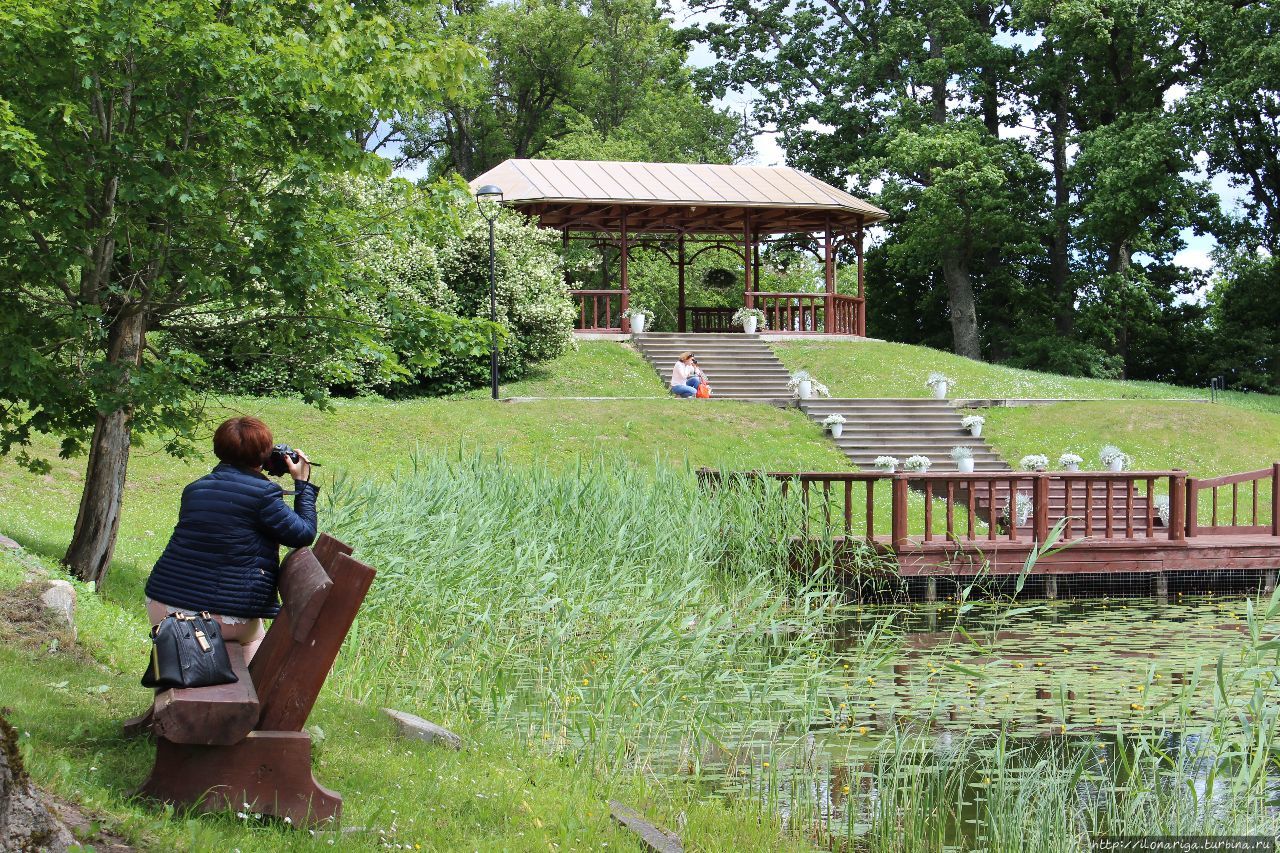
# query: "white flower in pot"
1114, 458
750, 319
835, 423
1070, 461
639, 317
805, 386
1162, 509
1022, 509
917, 464
1034, 462
938, 384
888, 464
963, 457
973, 423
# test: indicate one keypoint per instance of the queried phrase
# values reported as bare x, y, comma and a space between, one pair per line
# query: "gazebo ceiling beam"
677, 219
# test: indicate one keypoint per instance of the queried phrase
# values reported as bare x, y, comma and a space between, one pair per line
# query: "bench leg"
271, 771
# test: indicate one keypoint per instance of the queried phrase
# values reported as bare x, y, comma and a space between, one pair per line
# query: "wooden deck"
960, 525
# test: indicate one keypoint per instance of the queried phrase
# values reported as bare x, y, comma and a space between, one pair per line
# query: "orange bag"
704, 391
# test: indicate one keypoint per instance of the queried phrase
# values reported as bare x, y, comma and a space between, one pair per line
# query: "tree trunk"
94, 541
964, 309
1119, 259
1059, 265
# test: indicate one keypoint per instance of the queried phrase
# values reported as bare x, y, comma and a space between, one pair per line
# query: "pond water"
1074, 688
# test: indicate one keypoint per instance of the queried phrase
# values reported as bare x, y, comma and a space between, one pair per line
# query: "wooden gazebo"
633, 205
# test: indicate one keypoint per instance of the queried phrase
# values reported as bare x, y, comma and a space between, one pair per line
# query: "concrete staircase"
902, 428
738, 366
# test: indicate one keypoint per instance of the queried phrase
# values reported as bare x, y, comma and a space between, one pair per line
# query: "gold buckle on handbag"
204, 644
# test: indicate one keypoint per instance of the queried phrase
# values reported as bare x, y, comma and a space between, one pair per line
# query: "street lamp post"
488, 198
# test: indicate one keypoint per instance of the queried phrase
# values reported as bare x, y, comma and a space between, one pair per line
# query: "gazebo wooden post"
829, 279
680, 305
747, 298
862, 306
624, 280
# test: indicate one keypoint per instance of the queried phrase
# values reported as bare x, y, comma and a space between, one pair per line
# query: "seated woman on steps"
224, 554
686, 376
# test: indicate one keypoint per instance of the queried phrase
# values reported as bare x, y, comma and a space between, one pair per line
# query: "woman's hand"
300, 470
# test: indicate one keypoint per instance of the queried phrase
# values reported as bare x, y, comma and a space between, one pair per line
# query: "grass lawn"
371, 438
595, 369
879, 369
1206, 441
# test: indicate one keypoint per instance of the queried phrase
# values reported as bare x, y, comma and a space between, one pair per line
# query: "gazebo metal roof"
683, 197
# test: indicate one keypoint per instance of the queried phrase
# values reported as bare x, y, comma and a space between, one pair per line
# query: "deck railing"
807, 312
1259, 488
599, 310
712, 320
980, 509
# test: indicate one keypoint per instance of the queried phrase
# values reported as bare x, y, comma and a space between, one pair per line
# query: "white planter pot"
976, 431
1116, 464
890, 470
1072, 466
965, 465
939, 390
749, 325
804, 390
836, 430
637, 323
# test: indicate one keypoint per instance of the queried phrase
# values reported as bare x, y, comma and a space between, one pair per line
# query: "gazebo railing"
807, 312
599, 310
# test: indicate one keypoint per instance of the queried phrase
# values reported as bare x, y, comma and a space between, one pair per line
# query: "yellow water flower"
862, 730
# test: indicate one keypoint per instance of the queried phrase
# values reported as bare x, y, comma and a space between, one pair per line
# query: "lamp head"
488, 197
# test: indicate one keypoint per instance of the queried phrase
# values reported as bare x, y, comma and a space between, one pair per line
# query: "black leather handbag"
188, 651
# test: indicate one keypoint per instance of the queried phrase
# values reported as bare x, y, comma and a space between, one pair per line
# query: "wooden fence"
1258, 486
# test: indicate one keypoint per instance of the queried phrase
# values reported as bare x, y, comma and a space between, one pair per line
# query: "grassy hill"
881, 369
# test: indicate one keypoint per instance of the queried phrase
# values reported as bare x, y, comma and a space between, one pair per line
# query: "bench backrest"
321, 590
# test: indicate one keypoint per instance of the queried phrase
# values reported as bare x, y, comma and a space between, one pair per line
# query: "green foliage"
1246, 320
182, 185
611, 85
1065, 356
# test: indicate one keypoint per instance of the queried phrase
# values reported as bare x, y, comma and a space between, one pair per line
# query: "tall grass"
631, 618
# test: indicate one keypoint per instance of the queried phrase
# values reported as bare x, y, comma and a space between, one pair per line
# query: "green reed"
632, 618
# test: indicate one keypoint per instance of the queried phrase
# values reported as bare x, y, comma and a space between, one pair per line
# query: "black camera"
275, 464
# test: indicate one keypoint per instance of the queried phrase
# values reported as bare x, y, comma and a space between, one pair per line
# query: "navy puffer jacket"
224, 554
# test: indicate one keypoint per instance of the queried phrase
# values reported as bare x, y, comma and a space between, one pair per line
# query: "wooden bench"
221, 747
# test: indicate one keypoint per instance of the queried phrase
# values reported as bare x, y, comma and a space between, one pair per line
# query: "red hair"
244, 442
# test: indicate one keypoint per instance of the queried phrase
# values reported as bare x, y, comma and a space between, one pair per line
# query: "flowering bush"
833, 418
533, 305
1070, 459
971, 421
958, 453
740, 316
1034, 462
634, 310
937, 378
886, 463
917, 463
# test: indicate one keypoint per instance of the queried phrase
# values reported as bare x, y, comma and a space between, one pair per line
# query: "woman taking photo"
224, 554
